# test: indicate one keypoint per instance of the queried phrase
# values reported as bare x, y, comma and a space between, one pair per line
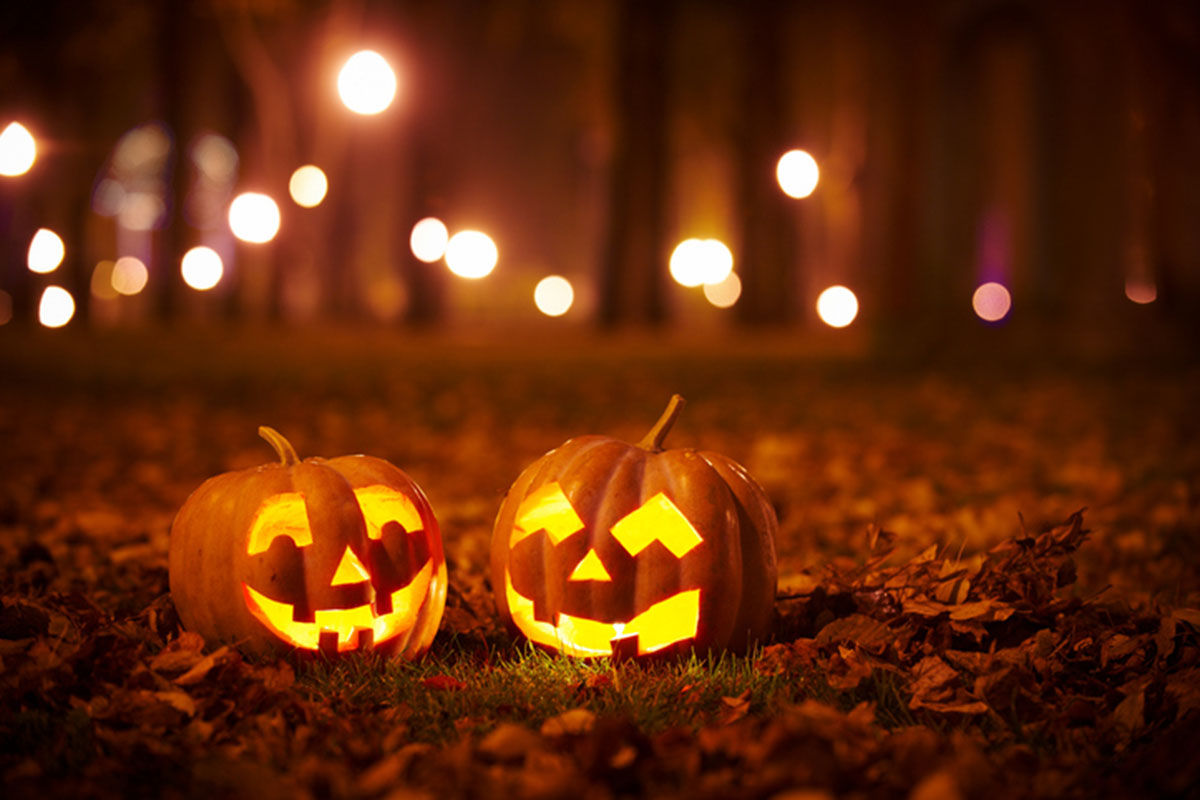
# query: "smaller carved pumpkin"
605, 548
332, 555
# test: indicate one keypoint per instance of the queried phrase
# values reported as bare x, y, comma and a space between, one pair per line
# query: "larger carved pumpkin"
331, 555
607, 548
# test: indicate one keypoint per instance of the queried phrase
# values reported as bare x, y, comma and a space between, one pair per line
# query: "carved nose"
590, 568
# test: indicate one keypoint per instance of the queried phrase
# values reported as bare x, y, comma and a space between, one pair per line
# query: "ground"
987, 572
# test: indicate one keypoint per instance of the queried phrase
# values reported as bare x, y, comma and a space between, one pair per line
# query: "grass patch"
527, 686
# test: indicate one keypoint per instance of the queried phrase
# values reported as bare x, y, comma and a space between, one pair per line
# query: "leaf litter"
899, 668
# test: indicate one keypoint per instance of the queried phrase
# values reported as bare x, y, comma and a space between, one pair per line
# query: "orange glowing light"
366, 83
56, 308
18, 150
201, 268
347, 623
102, 280
700, 261
471, 254
546, 509
286, 515
658, 519
590, 568
991, 302
254, 217
725, 293
1141, 291
308, 186
797, 173
428, 239
46, 251
837, 306
350, 570
553, 295
670, 621
129, 275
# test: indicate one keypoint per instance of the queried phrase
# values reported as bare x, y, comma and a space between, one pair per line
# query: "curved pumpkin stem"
654, 439
287, 453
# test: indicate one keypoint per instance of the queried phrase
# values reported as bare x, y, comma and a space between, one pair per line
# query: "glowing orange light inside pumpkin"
675, 619
285, 515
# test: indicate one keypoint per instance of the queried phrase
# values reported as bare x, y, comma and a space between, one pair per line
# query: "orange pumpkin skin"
585, 548
332, 555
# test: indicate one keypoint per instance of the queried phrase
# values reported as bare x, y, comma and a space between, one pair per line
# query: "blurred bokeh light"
428, 240
129, 275
1141, 291
724, 293
308, 185
837, 306
797, 173
553, 295
367, 84
102, 287
201, 268
18, 150
56, 307
700, 261
471, 254
254, 217
991, 301
46, 251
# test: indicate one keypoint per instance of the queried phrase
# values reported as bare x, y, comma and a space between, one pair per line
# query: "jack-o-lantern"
333, 555
604, 548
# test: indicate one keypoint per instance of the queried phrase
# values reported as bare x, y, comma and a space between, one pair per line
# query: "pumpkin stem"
287, 453
654, 439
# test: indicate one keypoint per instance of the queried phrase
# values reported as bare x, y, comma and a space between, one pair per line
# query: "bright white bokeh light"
56, 307
18, 150
201, 268
471, 254
428, 240
46, 251
367, 84
308, 186
129, 275
837, 306
991, 301
1141, 291
553, 295
797, 173
700, 261
687, 263
254, 217
724, 293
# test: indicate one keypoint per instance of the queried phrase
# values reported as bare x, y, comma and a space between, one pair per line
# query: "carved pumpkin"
332, 555
607, 548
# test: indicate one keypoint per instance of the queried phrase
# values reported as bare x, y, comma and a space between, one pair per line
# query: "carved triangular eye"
350, 570
591, 568
546, 509
657, 518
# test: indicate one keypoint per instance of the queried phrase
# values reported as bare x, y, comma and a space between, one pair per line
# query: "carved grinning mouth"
348, 623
